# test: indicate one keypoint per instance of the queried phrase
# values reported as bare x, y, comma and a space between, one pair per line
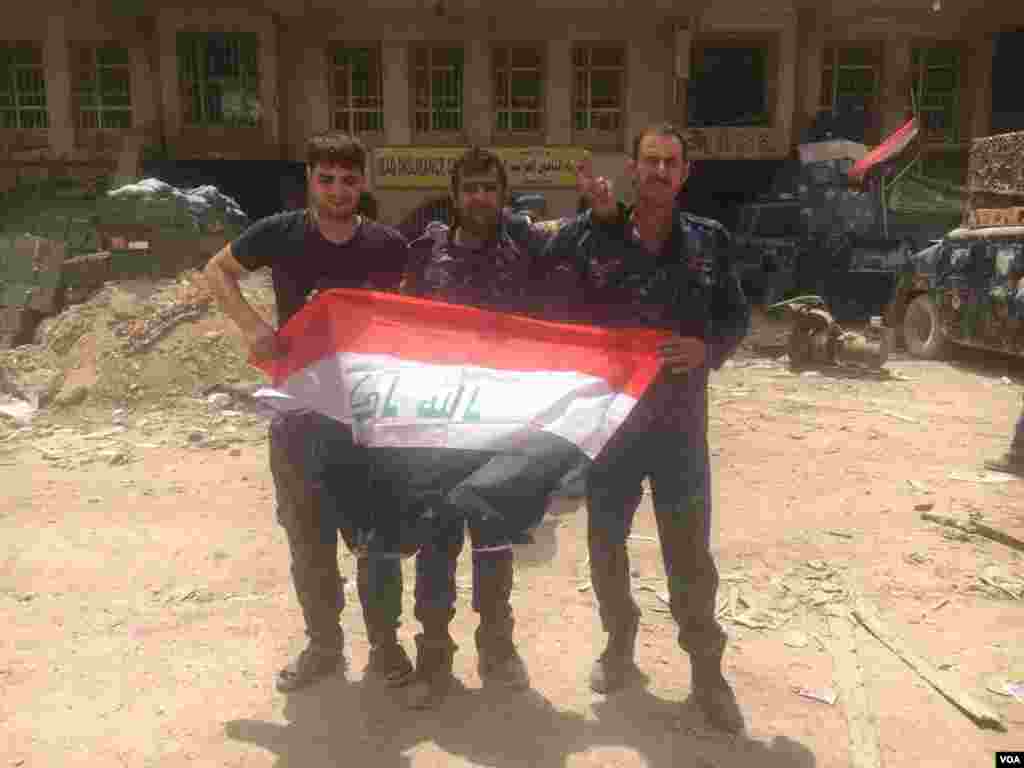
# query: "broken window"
102, 90
219, 76
357, 87
729, 87
599, 81
936, 74
437, 87
22, 87
519, 90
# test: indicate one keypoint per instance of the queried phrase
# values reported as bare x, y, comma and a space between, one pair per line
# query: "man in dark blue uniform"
321, 476
474, 262
653, 265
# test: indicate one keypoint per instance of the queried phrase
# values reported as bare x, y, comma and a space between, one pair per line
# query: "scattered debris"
840, 534
824, 695
862, 723
971, 526
981, 477
941, 604
953, 692
796, 639
219, 399
924, 506
20, 411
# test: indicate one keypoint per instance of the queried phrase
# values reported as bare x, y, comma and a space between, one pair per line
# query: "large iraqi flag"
488, 410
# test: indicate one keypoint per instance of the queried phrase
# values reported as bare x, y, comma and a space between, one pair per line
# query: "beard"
481, 223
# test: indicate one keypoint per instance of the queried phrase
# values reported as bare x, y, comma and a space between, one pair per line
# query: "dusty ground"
146, 595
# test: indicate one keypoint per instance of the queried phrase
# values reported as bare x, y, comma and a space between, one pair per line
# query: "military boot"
616, 665
714, 695
498, 661
380, 591
1011, 462
312, 665
433, 679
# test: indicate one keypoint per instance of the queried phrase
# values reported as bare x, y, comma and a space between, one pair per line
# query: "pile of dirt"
136, 341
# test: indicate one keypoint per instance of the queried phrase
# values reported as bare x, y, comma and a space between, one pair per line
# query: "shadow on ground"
342, 723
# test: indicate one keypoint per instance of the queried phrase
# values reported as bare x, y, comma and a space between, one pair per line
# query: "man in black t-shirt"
313, 459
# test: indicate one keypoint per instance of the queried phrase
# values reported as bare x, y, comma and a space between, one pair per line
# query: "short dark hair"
336, 148
477, 160
670, 130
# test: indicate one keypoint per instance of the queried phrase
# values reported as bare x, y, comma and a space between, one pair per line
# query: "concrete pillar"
807, 81
397, 101
57, 69
477, 112
270, 108
144, 108
559, 92
315, 68
167, 25
897, 81
978, 88
785, 98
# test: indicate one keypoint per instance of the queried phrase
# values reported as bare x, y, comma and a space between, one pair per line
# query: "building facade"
418, 79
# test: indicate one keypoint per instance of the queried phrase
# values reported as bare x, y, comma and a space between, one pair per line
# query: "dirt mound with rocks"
133, 342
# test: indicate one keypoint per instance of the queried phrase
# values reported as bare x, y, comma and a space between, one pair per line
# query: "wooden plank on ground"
973, 526
942, 682
861, 721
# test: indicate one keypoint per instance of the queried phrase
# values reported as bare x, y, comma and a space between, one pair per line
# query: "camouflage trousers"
676, 464
321, 481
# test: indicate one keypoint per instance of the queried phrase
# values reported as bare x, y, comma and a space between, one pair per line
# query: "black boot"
714, 695
617, 664
314, 664
435, 652
498, 661
380, 591
1011, 463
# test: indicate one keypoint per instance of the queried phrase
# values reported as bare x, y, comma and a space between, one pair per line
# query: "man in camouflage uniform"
475, 262
1012, 461
656, 266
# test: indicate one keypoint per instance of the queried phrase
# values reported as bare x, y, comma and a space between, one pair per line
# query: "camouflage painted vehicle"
966, 289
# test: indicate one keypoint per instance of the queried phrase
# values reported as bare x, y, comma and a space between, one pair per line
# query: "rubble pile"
134, 342
995, 165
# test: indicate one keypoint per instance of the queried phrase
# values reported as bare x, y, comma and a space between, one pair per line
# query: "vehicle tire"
922, 330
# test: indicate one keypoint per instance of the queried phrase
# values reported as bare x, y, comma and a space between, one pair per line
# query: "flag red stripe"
419, 330
891, 147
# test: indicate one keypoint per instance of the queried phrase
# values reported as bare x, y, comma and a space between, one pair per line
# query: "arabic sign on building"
736, 144
430, 167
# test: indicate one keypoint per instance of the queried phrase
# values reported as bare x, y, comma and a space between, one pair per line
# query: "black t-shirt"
302, 260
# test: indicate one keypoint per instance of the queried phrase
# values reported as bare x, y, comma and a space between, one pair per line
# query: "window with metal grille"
219, 76
599, 77
849, 76
437, 89
519, 89
936, 91
102, 90
357, 87
22, 87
